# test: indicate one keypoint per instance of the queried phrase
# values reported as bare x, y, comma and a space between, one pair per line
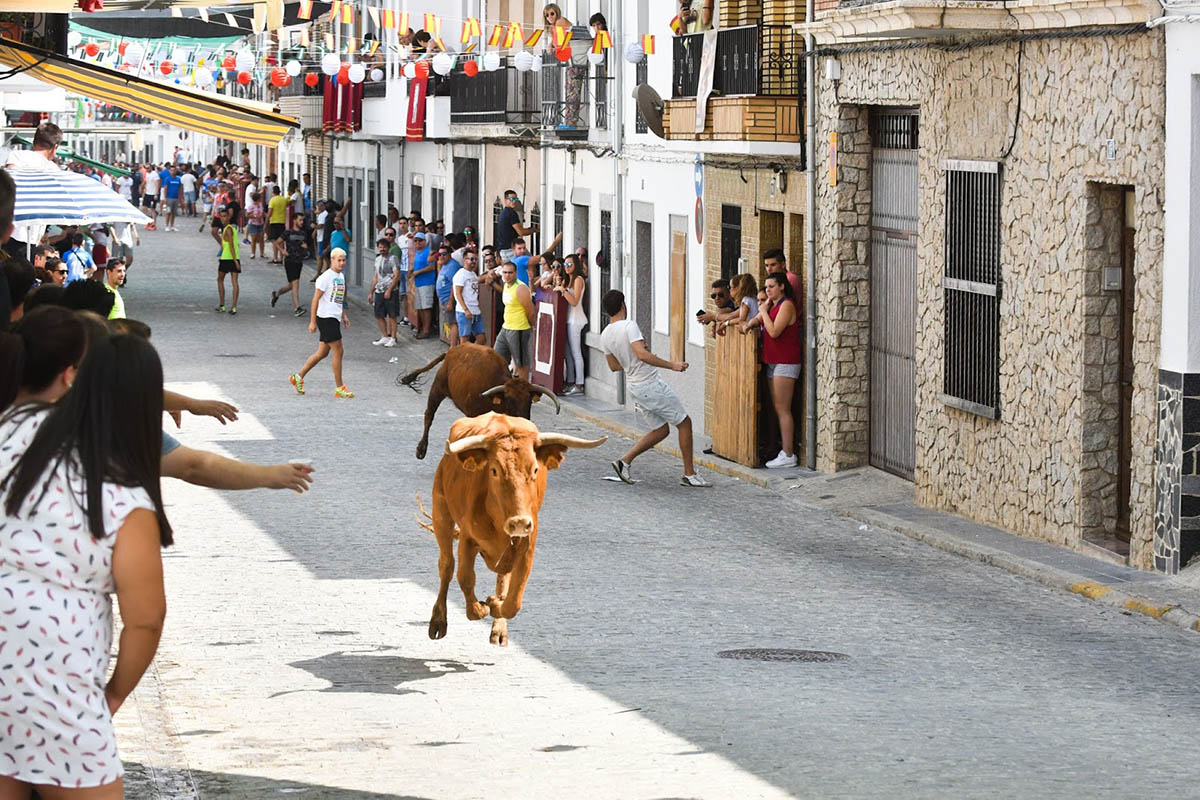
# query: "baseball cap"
418, 235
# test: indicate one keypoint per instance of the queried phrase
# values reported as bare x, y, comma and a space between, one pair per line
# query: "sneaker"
233, 310
379, 341
622, 470
342, 391
220, 309
299, 312
274, 296
781, 461
298, 382
389, 342
695, 481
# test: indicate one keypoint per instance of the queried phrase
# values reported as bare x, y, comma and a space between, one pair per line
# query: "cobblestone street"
295, 658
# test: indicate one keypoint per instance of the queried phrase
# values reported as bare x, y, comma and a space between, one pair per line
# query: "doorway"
643, 276
466, 194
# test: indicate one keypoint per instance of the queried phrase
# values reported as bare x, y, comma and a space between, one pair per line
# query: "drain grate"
233, 355
768, 654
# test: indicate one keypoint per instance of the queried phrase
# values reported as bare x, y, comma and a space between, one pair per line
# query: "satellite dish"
650, 106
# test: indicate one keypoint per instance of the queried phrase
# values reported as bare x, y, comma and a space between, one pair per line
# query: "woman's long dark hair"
110, 423
782, 279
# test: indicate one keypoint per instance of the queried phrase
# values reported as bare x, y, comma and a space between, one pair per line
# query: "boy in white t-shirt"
626, 350
328, 314
465, 285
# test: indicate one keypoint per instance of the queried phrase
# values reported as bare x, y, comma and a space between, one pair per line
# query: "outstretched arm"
218, 472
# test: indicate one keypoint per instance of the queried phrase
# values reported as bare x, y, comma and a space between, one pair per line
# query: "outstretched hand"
213, 408
296, 477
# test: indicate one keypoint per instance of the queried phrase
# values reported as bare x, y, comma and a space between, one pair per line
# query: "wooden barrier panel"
549, 340
735, 398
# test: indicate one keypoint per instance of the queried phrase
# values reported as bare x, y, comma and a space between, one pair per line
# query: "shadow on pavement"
229, 786
359, 671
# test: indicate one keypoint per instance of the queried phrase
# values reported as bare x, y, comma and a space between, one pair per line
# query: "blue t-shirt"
163, 175
445, 281
522, 264
172, 184
78, 261
421, 261
341, 238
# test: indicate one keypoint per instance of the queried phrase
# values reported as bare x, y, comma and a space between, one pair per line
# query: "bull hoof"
437, 628
421, 450
493, 603
476, 610
499, 633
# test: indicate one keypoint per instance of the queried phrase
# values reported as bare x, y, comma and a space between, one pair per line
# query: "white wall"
1181, 246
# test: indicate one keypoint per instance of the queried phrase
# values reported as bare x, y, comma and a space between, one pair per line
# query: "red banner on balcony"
414, 129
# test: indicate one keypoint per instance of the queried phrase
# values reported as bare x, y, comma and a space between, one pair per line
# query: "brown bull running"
476, 379
487, 493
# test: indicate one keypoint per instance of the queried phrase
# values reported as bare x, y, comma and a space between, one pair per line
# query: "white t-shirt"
125, 186
617, 340
99, 235
469, 282
188, 180
324, 215
333, 293
152, 183
124, 233
30, 159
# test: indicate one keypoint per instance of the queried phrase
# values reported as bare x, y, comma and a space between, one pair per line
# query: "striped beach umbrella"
60, 197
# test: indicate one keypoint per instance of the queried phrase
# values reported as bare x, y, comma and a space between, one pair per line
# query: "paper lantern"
244, 62
523, 60
229, 63
179, 55
343, 73
422, 69
491, 61
357, 73
377, 74
243, 78
563, 53
311, 79
166, 68
409, 70
595, 58
330, 63
122, 47
92, 49
203, 78
443, 63
134, 54
293, 68
74, 39
634, 53
536, 64
471, 68
279, 77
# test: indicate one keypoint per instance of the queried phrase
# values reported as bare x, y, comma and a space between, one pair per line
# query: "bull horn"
493, 390
533, 387
568, 441
466, 443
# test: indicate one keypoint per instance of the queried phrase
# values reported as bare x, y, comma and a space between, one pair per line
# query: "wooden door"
677, 328
735, 398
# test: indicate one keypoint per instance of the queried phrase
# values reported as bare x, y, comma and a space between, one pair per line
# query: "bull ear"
551, 455
472, 460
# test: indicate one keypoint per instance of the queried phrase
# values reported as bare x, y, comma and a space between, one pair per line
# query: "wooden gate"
734, 424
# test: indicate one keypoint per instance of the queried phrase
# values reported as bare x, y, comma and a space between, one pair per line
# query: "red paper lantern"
343, 74
312, 79
422, 69
229, 63
243, 78
92, 49
121, 47
279, 77
471, 68
563, 53
166, 68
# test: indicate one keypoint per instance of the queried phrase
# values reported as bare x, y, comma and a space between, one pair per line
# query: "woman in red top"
782, 352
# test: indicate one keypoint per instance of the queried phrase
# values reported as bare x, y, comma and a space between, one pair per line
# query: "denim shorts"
473, 327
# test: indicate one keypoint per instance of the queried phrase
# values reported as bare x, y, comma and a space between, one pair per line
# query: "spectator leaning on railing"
782, 353
725, 308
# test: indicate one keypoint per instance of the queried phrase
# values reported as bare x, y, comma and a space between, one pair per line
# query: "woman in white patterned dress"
82, 518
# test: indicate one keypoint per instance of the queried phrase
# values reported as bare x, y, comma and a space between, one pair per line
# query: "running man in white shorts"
625, 348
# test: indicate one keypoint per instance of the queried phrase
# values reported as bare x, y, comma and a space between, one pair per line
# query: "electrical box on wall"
1112, 279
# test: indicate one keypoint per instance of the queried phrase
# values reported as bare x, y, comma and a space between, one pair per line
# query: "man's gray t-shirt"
617, 340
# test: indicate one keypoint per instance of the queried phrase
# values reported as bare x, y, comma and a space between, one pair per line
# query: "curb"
1041, 573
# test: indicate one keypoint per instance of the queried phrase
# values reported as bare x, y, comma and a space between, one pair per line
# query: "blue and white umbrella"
60, 197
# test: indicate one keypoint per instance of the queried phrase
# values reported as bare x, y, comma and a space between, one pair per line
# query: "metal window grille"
560, 217
896, 131
971, 288
437, 203
414, 199
600, 98
535, 221
731, 240
642, 77
497, 207
604, 260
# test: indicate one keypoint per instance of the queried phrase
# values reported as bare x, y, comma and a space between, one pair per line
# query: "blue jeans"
468, 328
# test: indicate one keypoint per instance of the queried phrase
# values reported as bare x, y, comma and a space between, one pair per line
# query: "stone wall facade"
1177, 473
1023, 471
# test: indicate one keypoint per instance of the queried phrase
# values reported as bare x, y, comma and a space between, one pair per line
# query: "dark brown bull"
476, 379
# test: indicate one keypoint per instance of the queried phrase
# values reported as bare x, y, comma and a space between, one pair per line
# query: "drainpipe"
810, 247
617, 258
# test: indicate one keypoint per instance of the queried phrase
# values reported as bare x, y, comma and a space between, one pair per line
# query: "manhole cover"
768, 654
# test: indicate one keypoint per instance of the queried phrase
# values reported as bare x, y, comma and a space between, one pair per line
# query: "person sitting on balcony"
693, 19
553, 17
421, 42
597, 23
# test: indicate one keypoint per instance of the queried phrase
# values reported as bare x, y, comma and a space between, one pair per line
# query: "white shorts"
783, 371
657, 403
424, 297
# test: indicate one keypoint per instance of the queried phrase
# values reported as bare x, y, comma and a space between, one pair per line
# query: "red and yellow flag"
306, 7
389, 18
496, 35
534, 38
515, 36
351, 45
562, 36
676, 24
402, 23
347, 14
648, 43
470, 29
304, 37
335, 11
374, 46
433, 23
602, 42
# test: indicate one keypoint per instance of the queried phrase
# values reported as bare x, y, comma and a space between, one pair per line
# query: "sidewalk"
883, 501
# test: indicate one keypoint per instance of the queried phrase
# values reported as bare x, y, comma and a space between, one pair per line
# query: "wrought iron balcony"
565, 98
757, 60
506, 96
298, 88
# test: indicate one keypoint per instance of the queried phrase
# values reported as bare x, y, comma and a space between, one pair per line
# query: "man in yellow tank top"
515, 341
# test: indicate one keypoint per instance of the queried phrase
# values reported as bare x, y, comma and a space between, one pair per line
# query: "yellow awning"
228, 118
270, 12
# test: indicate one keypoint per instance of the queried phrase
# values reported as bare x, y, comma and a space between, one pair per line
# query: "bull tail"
427, 523
410, 380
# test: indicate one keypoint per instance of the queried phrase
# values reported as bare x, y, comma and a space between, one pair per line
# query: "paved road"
295, 658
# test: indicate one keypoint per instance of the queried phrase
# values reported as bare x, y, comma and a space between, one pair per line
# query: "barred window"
560, 221
971, 288
642, 76
731, 240
604, 260
497, 207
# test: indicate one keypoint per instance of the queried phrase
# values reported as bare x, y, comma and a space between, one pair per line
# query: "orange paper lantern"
422, 69
311, 79
243, 78
471, 68
343, 74
229, 63
166, 68
563, 53
92, 49
279, 77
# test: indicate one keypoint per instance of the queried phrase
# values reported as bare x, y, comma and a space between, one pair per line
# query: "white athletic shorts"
657, 403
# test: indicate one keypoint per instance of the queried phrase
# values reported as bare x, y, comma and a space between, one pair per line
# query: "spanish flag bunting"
306, 7
470, 29
534, 38
347, 14
351, 45
433, 23
676, 24
648, 44
304, 37
335, 10
389, 18
374, 46
471, 47
562, 36
329, 42
495, 36
601, 43
402, 22
374, 13
515, 36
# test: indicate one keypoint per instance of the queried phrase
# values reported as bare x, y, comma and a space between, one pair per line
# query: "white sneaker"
694, 481
379, 341
781, 461
389, 342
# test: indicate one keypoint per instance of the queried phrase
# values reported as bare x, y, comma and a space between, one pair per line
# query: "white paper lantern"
491, 61
443, 63
245, 62
536, 66
377, 74
74, 39
410, 70
179, 56
134, 54
203, 78
330, 64
357, 73
293, 68
634, 53
596, 58
524, 60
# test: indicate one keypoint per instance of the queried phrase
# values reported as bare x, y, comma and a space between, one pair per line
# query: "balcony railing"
750, 60
565, 98
505, 96
298, 88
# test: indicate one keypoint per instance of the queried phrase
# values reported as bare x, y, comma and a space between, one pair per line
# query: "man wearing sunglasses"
58, 271
725, 308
